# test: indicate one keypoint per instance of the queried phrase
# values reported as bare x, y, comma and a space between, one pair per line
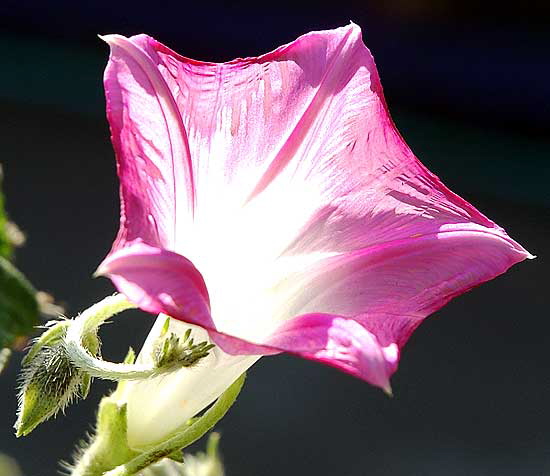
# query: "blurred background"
468, 85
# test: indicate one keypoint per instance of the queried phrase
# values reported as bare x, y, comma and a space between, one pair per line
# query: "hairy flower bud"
50, 381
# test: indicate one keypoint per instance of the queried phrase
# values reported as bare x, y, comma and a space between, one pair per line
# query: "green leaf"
19, 310
6, 246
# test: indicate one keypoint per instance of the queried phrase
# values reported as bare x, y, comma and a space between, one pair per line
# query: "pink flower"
272, 202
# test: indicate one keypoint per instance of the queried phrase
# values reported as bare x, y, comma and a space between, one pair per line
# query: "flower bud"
50, 382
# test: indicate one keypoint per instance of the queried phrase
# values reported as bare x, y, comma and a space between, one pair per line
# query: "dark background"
469, 89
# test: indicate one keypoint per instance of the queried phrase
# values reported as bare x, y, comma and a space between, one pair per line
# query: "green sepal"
176, 456
19, 309
109, 447
85, 384
55, 331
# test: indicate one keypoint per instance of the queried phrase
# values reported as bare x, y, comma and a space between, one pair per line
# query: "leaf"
19, 309
6, 245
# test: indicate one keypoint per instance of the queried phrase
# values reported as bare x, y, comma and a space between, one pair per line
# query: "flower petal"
151, 147
412, 277
163, 282
341, 343
159, 281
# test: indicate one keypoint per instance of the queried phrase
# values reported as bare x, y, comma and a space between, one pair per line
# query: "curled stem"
88, 322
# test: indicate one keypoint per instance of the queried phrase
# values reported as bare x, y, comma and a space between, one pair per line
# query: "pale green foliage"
8, 466
19, 309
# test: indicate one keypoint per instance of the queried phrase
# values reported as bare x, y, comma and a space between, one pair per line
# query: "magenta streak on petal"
178, 138
411, 277
305, 122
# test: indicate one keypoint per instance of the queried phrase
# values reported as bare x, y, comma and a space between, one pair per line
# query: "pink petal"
412, 277
163, 282
159, 281
341, 343
151, 146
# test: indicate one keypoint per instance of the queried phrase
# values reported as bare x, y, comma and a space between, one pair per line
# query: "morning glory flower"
271, 205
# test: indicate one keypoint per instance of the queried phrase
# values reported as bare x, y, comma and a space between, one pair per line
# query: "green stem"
189, 435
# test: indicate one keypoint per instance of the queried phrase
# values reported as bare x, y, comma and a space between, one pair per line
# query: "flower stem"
88, 322
185, 437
